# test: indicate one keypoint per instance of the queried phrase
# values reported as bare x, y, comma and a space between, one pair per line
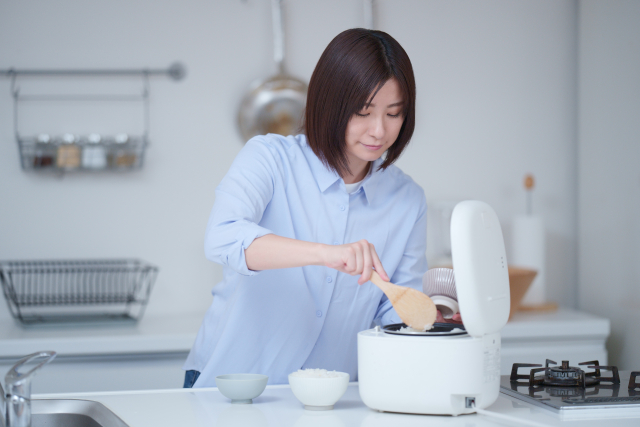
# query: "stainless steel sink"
72, 413
17, 409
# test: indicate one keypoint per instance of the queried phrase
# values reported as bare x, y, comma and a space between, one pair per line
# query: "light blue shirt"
275, 322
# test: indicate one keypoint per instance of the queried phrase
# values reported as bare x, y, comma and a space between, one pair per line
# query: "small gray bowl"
241, 388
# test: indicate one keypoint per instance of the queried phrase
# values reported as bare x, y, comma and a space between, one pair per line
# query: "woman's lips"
372, 147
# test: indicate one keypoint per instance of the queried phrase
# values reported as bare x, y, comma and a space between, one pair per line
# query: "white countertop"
278, 407
176, 333
152, 334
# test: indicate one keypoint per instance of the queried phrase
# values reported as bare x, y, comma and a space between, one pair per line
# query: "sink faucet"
16, 402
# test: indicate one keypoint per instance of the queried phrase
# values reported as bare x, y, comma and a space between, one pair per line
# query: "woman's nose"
376, 128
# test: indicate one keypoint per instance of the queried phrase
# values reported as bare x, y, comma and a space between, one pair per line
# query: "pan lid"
480, 267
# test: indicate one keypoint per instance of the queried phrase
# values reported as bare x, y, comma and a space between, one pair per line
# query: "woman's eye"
394, 115
362, 114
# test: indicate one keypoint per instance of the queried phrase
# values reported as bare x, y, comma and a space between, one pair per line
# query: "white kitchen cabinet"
561, 335
149, 355
104, 357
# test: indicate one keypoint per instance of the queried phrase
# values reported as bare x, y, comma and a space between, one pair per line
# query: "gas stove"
572, 392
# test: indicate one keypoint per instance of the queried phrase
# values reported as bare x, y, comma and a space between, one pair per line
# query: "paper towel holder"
528, 251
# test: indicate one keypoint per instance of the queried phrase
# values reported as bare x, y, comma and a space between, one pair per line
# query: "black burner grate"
564, 375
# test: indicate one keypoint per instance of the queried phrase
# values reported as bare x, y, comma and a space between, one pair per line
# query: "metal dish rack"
77, 290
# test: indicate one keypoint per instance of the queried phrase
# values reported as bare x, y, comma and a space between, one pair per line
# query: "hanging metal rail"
176, 71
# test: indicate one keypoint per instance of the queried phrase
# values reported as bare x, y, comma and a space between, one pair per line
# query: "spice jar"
123, 155
68, 153
94, 155
44, 152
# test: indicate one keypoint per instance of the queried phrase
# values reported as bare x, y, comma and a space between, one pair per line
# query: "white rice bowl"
318, 389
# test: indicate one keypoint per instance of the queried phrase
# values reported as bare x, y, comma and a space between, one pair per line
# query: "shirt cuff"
246, 237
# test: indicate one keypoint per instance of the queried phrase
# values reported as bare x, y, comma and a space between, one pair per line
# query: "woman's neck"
359, 174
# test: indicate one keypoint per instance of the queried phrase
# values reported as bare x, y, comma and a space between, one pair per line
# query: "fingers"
350, 262
456, 318
378, 265
367, 265
359, 260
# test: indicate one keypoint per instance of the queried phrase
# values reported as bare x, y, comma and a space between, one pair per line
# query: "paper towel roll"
528, 250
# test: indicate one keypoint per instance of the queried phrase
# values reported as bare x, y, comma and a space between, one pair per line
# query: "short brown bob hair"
353, 67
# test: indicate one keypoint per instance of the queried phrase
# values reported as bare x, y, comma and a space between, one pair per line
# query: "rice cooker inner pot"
438, 330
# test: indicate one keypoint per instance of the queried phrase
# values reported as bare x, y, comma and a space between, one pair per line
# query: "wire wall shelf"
71, 152
77, 290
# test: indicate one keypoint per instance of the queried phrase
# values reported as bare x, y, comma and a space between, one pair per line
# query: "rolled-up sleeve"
411, 268
241, 199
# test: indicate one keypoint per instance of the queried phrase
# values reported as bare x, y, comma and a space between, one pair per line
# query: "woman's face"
373, 130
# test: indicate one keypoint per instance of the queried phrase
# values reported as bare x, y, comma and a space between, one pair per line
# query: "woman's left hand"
455, 319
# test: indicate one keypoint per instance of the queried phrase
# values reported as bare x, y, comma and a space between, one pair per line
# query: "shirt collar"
371, 184
326, 177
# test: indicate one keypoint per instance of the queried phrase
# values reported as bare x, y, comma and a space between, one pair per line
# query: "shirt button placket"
342, 207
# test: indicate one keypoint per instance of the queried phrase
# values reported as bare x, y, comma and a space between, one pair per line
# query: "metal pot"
274, 105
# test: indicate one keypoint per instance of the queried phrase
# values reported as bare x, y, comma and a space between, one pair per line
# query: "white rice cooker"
446, 370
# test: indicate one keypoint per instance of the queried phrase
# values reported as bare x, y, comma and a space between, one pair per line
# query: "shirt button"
341, 207
329, 279
318, 313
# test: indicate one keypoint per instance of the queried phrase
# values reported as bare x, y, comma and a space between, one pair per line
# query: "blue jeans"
190, 378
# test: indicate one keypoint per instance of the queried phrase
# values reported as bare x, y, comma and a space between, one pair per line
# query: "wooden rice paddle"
414, 308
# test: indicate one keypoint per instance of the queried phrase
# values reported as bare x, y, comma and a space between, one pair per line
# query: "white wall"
496, 85
609, 171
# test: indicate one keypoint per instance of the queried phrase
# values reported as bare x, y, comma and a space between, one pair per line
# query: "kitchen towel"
528, 251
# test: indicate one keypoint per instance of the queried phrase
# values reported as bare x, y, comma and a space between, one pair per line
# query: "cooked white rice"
315, 373
410, 329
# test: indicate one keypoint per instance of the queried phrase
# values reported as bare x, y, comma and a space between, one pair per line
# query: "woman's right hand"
354, 258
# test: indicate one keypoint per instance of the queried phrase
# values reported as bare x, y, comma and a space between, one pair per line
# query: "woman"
300, 221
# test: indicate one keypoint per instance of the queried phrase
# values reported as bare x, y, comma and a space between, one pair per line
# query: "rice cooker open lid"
480, 266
